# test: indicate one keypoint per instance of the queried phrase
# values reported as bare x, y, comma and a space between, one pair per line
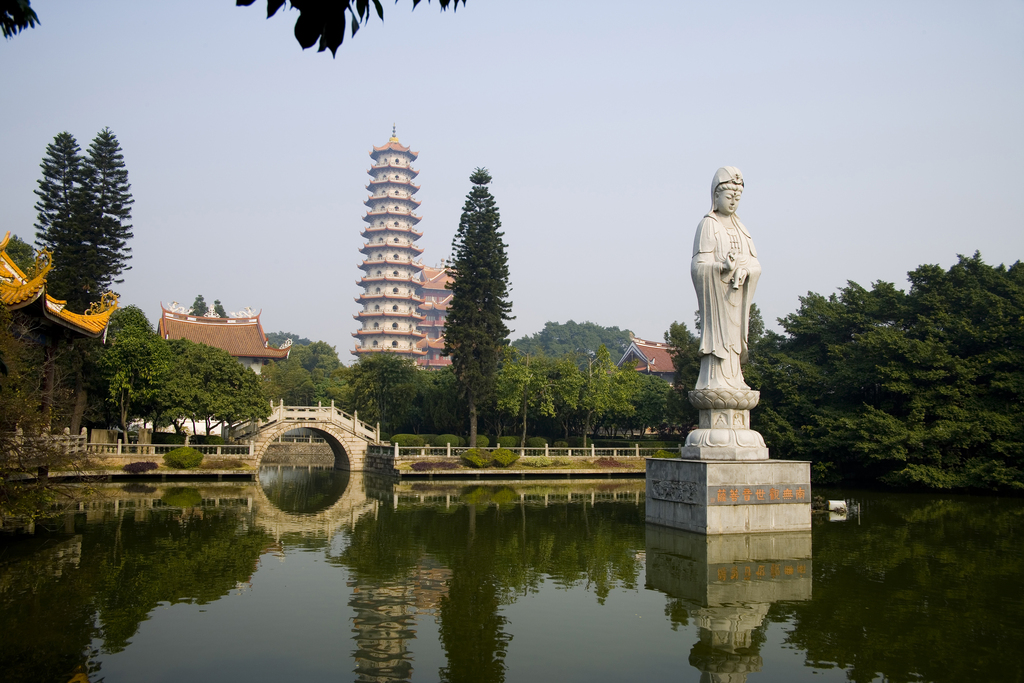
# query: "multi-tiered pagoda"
391, 284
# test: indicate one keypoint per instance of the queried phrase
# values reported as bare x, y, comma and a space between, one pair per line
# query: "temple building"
43, 319
240, 335
436, 297
652, 358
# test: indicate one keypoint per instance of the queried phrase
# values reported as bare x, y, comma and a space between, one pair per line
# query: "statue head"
726, 189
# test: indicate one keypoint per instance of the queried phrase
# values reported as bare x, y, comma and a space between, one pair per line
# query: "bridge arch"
348, 449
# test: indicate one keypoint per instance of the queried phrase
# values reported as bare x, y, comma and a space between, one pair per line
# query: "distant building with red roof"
242, 337
652, 358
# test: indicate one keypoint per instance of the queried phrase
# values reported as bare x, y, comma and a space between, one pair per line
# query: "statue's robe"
724, 308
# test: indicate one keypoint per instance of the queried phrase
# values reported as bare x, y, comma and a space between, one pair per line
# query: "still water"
320, 575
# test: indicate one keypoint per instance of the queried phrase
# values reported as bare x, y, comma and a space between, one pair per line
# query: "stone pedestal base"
724, 431
729, 497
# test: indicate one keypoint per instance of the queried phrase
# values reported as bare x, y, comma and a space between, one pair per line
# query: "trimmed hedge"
536, 442
482, 441
214, 440
183, 458
561, 444
407, 440
475, 457
666, 454
504, 457
445, 439
507, 441
139, 467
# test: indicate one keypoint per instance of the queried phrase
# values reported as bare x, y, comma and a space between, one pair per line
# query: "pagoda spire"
394, 133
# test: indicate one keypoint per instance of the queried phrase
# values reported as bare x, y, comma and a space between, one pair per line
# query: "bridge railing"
319, 413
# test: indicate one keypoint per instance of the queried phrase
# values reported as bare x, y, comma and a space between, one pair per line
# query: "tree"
311, 374
218, 309
383, 386
324, 21
522, 385
83, 205
475, 330
278, 338
583, 339
17, 15
606, 389
199, 306
686, 361
135, 364
208, 385
110, 207
62, 209
21, 253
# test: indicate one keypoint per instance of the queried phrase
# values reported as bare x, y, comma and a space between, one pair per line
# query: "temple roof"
27, 292
241, 337
653, 356
436, 278
393, 145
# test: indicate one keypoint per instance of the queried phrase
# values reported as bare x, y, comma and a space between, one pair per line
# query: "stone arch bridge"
347, 435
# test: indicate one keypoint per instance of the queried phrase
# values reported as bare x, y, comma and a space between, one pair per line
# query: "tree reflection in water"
923, 588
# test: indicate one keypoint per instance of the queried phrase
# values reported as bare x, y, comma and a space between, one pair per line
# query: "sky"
873, 136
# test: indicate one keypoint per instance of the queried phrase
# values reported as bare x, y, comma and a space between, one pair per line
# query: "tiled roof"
393, 145
657, 356
20, 291
241, 337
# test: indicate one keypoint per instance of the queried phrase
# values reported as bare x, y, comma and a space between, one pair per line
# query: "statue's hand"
730, 261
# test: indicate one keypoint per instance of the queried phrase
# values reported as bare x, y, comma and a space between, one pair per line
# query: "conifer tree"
62, 209
199, 306
475, 330
84, 207
110, 207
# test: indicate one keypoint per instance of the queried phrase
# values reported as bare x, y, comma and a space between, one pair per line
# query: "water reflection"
433, 580
727, 584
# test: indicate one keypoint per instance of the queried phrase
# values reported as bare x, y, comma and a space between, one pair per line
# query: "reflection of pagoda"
727, 583
385, 620
391, 284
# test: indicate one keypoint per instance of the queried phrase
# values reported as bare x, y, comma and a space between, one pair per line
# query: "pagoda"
390, 317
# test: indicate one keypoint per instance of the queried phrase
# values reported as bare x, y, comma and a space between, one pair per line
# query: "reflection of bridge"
346, 434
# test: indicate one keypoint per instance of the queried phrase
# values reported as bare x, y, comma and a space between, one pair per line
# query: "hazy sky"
873, 136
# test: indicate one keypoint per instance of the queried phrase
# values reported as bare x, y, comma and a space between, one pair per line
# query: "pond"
321, 575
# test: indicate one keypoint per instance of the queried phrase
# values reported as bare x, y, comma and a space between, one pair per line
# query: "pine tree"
84, 205
475, 330
62, 208
219, 309
198, 306
110, 207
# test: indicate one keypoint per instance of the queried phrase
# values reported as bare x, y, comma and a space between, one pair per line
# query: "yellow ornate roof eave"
91, 323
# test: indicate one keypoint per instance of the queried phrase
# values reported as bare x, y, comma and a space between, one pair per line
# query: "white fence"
143, 449
450, 451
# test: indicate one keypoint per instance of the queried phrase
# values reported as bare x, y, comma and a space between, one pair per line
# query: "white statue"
725, 271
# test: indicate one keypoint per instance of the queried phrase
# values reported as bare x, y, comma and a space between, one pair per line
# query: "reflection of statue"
725, 271
726, 584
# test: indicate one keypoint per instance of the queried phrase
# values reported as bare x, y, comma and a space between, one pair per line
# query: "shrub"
504, 457
561, 444
182, 497
215, 440
408, 440
184, 458
535, 461
563, 461
508, 441
384, 436
139, 467
666, 454
475, 457
164, 438
445, 439
536, 442
482, 441
428, 439
424, 465
575, 442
